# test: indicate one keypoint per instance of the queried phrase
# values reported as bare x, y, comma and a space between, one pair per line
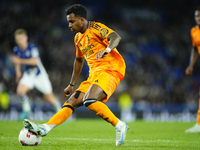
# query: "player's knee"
98, 95
67, 105
88, 102
76, 100
20, 92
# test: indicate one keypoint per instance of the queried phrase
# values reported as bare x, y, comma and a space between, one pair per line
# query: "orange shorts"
107, 80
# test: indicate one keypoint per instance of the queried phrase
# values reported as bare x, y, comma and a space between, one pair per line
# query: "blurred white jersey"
34, 76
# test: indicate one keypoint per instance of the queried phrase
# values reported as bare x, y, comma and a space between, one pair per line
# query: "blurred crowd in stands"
155, 44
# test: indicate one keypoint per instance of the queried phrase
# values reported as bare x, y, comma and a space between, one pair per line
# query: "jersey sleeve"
101, 30
192, 38
79, 54
34, 52
15, 50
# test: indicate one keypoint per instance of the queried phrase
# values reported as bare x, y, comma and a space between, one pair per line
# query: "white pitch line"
85, 139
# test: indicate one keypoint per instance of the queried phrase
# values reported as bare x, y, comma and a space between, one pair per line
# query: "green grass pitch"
96, 134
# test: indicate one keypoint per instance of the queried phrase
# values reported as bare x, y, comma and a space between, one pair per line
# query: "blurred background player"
97, 44
195, 36
34, 74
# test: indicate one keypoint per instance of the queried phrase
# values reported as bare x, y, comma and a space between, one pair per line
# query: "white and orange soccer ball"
27, 138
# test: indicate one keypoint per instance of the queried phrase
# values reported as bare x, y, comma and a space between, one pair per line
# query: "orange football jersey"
93, 40
195, 36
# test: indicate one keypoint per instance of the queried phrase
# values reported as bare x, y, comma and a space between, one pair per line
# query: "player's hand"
102, 54
189, 70
15, 59
68, 90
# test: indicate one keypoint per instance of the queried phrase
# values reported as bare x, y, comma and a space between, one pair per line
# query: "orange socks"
62, 115
101, 110
96, 106
198, 113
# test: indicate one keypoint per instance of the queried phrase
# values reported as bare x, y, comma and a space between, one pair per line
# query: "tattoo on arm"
114, 39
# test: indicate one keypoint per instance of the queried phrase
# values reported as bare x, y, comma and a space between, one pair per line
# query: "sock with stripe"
25, 103
61, 116
101, 110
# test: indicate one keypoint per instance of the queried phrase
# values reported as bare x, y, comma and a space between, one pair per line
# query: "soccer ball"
27, 138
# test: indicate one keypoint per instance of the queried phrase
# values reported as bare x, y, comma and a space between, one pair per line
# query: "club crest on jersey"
104, 32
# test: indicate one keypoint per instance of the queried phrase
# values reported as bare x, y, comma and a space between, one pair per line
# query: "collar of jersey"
88, 25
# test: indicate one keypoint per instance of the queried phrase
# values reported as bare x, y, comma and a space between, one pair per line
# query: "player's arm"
17, 68
78, 65
114, 39
30, 61
17, 72
193, 57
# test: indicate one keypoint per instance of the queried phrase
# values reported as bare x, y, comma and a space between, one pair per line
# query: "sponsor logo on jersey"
89, 53
87, 48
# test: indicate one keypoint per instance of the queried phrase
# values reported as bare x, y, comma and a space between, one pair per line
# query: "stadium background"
155, 44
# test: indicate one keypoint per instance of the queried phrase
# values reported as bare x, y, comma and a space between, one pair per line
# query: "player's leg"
54, 101
43, 84
92, 101
75, 100
198, 113
196, 127
26, 107
93, 98
26, 83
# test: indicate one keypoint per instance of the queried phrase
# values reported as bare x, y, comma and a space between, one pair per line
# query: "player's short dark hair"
20, 31
77, 10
